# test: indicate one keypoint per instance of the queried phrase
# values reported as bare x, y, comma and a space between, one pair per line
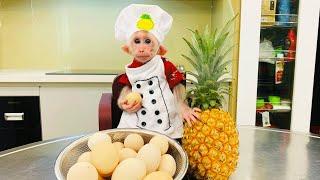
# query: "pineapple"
212, 142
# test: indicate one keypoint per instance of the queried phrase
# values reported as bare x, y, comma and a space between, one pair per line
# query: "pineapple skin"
212, 145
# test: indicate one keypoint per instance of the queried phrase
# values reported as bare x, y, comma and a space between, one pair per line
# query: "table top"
264, 154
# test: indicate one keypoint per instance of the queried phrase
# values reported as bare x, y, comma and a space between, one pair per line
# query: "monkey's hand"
190, 115
129, 107
124, 104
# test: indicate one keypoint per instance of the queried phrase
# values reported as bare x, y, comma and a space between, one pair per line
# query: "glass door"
276, 63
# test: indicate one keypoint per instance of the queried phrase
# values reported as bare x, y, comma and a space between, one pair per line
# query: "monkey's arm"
124, 92
188, 114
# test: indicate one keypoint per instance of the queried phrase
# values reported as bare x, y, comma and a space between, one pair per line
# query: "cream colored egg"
158, 175
100, 177
126, 153
98, 137
85, 157
161, 142
133, 97
105, 157
82, 171
128, 169
168, 164
119, 145
134, 141
151, 155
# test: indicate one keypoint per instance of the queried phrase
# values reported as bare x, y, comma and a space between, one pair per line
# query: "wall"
79, 34
223, 11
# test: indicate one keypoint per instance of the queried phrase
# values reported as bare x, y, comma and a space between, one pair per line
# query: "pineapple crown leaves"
209, 50
145, 16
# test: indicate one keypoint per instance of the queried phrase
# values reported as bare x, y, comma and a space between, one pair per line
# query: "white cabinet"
70, 109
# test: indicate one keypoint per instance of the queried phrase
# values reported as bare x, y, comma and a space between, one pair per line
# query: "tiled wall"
79, 34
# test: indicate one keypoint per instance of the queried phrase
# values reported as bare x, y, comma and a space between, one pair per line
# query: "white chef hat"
136, 17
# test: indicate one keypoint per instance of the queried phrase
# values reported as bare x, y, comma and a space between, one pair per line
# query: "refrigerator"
277, 52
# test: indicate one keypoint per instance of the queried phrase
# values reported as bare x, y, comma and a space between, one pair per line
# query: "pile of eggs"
128, 160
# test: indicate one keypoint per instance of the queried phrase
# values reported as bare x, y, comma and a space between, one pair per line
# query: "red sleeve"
174, 77
123, 80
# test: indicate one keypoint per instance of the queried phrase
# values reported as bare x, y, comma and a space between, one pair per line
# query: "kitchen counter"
264, 154
56, 76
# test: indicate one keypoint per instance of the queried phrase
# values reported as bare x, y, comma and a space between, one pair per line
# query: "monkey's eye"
147, 41
137, 41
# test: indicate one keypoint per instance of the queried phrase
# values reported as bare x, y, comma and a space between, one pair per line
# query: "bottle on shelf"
284, 12
291, 45
279, 69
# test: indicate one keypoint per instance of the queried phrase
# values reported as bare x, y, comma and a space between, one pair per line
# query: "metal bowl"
70, 154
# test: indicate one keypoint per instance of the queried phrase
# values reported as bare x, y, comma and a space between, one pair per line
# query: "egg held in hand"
133, 98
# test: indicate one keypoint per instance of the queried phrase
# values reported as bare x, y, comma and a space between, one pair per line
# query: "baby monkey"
143, 46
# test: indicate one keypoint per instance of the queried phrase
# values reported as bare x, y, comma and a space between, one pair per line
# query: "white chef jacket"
159, 111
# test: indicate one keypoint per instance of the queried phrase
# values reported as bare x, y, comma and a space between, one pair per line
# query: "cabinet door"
19, 121
70, 109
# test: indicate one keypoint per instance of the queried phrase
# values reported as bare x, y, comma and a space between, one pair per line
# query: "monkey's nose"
141, 51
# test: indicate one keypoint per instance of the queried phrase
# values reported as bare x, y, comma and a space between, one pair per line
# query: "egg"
126, 153
82, 171
130, 169
85, 157
168, 164
133, 97
151, 155
119, 145
161, 142
133, 141
105, 157
158, 175
98, 137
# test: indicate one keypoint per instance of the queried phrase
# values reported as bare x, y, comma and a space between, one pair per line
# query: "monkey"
143, 46
163, 107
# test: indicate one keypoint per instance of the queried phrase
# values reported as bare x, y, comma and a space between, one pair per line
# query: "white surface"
39, 76
305, 64
19, 91
248, 61
67, 111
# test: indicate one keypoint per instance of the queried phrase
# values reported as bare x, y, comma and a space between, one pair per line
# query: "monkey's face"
143, 46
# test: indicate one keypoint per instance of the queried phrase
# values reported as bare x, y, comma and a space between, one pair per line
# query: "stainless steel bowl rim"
63, 153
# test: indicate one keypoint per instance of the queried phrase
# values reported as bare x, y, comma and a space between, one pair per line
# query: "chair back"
116, 111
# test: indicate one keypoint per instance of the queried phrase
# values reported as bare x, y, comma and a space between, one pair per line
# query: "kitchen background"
42, 36
38, 37
79, 34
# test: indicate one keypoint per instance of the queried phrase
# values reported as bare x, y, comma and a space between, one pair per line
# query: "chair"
109, 112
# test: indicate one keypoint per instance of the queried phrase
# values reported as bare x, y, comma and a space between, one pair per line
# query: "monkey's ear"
162, 50
125, 48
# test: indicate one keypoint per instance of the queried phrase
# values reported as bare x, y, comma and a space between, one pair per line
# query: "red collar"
135, 63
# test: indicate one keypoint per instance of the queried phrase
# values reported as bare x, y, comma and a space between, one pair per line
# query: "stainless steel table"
264, 154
